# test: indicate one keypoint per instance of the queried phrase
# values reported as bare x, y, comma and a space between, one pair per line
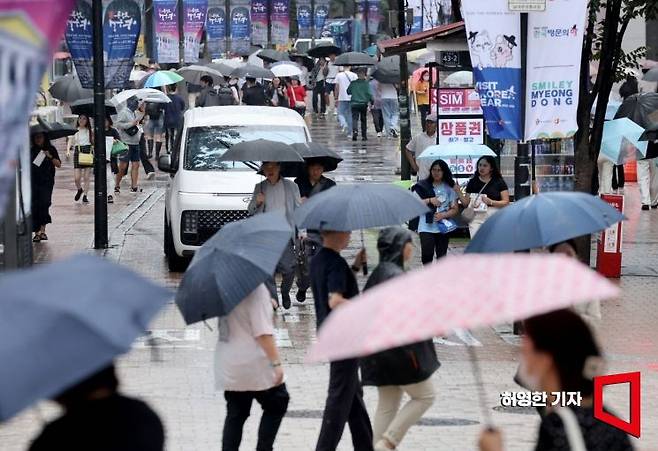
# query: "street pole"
312, 23
269, 24
100, 175
403, 97
522, 166
227, 25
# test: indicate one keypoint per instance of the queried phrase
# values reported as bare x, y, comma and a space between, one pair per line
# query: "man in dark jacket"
253, 93
406, 369
173, 116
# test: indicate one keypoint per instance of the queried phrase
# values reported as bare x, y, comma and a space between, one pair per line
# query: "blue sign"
79, 40
304, 20
240, 28
499, 90
216, 31
121, 27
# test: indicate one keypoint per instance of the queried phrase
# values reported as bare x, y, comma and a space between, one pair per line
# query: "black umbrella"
53, 130
643, 110
232, 264
355, 59
222, 68
317, 152
251, 71
306, 61
388, 70
262, 150
273, 56
323, 50
68, 89
86, 107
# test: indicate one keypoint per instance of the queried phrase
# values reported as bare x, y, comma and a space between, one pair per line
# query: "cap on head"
431, 118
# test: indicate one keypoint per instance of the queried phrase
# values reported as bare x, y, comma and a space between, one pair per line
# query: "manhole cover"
423, 422
517, 410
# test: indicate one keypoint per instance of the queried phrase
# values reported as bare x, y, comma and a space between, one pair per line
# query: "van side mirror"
164, 164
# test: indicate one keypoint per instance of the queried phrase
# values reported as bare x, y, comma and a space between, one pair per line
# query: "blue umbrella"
61, 322
447, 151
543, 220
610, 109
354, 207
620, 141
162, 78
232, 264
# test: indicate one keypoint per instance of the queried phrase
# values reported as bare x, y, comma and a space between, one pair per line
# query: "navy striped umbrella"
353, 207
232, 264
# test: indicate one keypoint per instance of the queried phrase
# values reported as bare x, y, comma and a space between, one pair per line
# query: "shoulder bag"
85, 159
119, 148
298, 103
469, 212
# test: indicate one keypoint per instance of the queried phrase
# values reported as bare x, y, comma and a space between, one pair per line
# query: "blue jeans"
391, 112
345, 115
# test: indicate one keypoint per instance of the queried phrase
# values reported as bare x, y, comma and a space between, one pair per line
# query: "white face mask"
526, 379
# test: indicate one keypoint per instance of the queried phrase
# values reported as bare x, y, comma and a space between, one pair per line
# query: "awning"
418, 40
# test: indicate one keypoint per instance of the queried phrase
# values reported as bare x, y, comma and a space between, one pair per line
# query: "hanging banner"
216, 29
321, 14
280, 22
165, 28
360, 16
194, 18
553, 78
494, 39
121, 27
304, 19
417, 7
79, 40
374, 16
240, 27
259, 21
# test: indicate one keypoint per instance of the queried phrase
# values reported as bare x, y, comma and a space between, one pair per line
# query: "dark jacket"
307, 190
404, 365
359, 89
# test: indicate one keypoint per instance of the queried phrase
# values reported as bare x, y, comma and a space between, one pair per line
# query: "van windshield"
205, 145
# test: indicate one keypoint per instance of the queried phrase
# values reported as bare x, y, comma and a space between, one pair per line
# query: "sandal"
43, 236
36, 238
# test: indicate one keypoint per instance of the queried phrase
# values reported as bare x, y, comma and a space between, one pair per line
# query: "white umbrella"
459, 79
137, 75
284, 69
233, 62
255, 60
145, 94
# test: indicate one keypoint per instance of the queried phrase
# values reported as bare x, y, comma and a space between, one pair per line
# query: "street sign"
457, 101
454, 59
526, 6
461, 131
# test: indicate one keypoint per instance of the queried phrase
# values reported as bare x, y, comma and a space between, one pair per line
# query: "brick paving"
177, 380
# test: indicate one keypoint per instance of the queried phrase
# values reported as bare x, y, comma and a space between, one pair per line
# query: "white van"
205, 193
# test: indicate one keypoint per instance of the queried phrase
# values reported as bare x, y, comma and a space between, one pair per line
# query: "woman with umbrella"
82, 143
486, 191
43, 181
276, 93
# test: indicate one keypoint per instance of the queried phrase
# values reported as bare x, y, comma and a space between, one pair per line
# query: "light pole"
403, 97
100, 175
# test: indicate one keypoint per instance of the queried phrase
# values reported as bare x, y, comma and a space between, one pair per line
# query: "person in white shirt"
330, 81
342, 82
390, 108
81, 143
418, 144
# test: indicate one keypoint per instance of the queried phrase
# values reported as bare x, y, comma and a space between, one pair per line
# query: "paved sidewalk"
179, 385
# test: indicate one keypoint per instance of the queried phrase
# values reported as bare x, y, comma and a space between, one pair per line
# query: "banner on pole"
79, 40
553, 77
304, 19
216, 29
280, 19
374, 16
121, 27
494, 39
321, 14
240, 26
260, 16
194, 18
165, 28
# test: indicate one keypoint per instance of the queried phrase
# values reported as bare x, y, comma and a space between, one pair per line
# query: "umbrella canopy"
388, 70
68, 89
457, 150
222, 68
641, 109
518, 286
323, 50
145, 94
262, 150
53, 130
421, 57
86, 107
354, 59
192, 74
162, 78
354, 207
620, 141
250, 71
651, 75
418, 74
137, 75
610, 109
312, 151
461, 79
232, 264
286, 69
543, 220
273, 56
56, 333
230, 62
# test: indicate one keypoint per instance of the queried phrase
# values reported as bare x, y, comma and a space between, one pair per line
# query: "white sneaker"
379, 134
150, 176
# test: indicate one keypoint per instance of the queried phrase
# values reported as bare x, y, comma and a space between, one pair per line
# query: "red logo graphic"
633, 379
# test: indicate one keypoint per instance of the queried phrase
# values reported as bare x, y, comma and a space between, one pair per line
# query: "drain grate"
317, 414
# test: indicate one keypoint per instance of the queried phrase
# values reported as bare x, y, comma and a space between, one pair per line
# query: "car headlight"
190, 223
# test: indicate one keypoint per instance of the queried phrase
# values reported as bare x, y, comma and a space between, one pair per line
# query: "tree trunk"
456, 10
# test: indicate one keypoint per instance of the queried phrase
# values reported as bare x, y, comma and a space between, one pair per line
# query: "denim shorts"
132, 154
154, 126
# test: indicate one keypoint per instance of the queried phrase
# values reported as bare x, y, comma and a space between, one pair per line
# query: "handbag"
132, 131
469, 212
298, 103
85, 159
119, 148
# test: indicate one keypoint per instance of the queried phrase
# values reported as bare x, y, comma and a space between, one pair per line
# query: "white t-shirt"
343, 81
388, 91
240, 363
416, 146
333, 71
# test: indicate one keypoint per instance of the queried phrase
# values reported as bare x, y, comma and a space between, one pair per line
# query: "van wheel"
175, 262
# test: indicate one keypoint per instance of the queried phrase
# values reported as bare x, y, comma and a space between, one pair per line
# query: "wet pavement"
177, 380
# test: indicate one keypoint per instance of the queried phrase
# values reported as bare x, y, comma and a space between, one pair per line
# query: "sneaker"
110, 199
394, 133
117, 190
354, 137
285, 300
150, 176
300, 296
655, 206
78, 194
84, 199
379, 134
646, 207
134, 189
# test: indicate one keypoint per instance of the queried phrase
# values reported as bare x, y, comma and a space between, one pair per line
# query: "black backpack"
220, 97
154, 110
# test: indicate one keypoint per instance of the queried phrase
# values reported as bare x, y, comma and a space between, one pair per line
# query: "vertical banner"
374, 16
216, 29
260, 15
280, 19
417, 7
122, 24
360, 16
321, 14
494, 39
552, 82
240, 26
165, 29
304, 19
79, 41
194, 18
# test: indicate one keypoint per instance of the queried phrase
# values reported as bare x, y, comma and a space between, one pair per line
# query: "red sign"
454, 131
457, 101
633, 426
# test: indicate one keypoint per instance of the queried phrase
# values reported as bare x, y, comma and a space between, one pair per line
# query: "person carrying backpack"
154, 128
221, 95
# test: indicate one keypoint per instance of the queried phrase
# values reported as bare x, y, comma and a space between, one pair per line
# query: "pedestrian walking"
173, 116
486, 191
406, 369
310, 184
418, 144
297, 96
438, 192
422, 91
248, 368
253, 93
647, 177
276, 93
341, 83
276, 193
559, 354
154, 128
333, 283
97, 416
127, 124
360, 98
149, 170
45, 160
317, 77
330, 82
207, 84
111, 132
390, 108
82, 144
376, 108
